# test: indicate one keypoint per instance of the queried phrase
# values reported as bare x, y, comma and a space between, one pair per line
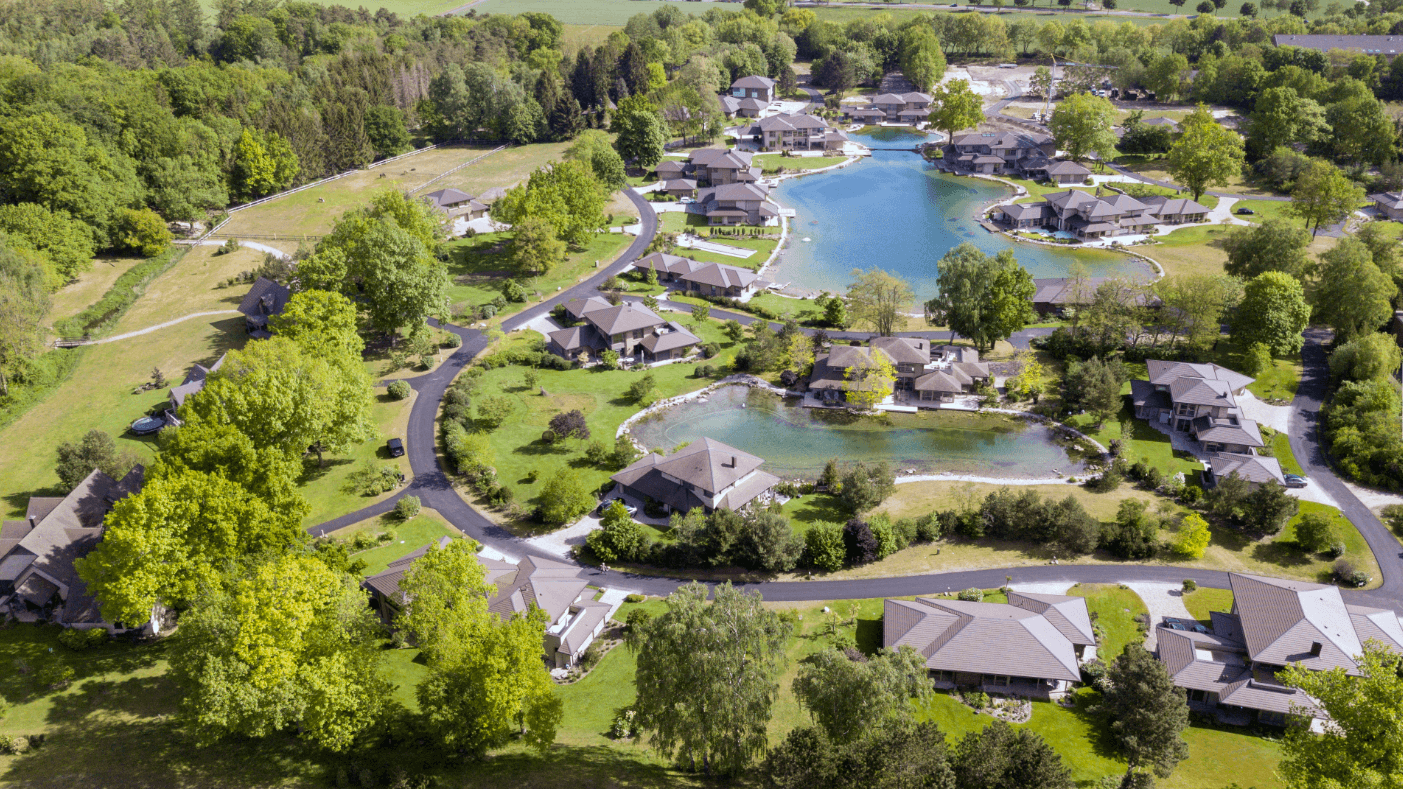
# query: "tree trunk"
4, 384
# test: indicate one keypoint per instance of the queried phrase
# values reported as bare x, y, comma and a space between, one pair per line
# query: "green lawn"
774, 162
408, 537
1203, 600
1115, 609
478, 268
1276, 385
1281, 450
321, 485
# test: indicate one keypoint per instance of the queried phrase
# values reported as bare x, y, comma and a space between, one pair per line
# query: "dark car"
1296, 481
1245, 211
395, 446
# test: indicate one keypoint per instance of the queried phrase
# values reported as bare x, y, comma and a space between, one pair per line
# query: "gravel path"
160, 326
1162, 600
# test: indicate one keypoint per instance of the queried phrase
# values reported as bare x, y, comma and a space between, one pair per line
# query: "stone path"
1162, 600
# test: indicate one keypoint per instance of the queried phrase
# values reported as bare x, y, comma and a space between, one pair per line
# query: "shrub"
55, 675
399, 390
363, 540
407, 508
1315, 533
635, 598
928, 528
79, 640
1190, 585
1393, 517
451, 340
882, 531
1347, 575
636, 618
513, 292
973, 594
13, 744
609, 360
823, 547
624, 726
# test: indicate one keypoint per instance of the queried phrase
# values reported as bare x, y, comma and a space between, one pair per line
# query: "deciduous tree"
870, 380
1323, 195
641, 131
1206, 153
1274, 245
954, 107
24, 303
565, 497
1000, 756
593, 148
1352, 296
1193, 537
850, 699
984, 298
878, 299
1081, 125
921, 60
1273, 312
94, 451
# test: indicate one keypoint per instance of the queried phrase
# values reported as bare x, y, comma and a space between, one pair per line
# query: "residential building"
1231, 670
1090, 217
954, 370
1389, 204
795, 133
671, 169
1033, 645
910, 108
925, 376
706, 473
718, 166
629, 329
1388, 46
1169, 123
456, 202
841, 370
1055, 294
264, 300
38, 580
754, 87
1200, 400
1256, 469
193, 384
575, 617
737, 204
865, 114
707, 279
680, 187
1060, 172
1016, 152
743, 108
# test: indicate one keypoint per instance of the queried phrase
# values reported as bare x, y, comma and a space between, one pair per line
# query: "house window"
1184, 409
999, 680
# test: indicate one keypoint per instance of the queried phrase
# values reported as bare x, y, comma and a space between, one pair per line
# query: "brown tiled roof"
754, 81
1164, 373
904, 350
577, 308
721, 276
985, 638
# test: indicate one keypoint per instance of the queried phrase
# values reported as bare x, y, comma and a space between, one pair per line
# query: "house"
1389, 204
1256, 469
1198, 399
456, 202
706, 474
1016, 152
865, 114
720, 280
680, 187
671, 169
265, 299
718, 166
194, 383
1055, 294
38, 580
1059, 172
754, 87
630, 330
909, 108
743, 108
1387, 46
1231, 670
1089, 217
954, 370
1033, 645
737, 204
795, 133
840, 370
924, 375
1169, 123
575, 618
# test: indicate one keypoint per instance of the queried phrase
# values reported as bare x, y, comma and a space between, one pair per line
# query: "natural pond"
798, 441
895, 211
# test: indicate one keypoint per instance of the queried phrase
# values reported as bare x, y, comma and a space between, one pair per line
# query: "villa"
906, 108
630, 330
456, 203
706, 279
38, 580
264, 300
1055, 294
575, 617
193, 384
754, 87
706, 474
1058, 172
1387, 46
719, 166
925, 376
795, 133
1090, 217
1389, 204
953, 371
1231, 670
1000, 152
680, 187
1033, 645
737, 204
1200, 400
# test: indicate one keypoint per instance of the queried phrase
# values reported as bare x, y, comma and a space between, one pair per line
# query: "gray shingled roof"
1253, 468
984, 638
904, 350
265, 298
1284, 622
721, 276
754, 81
1371, 45
1066, 613
447, 198
1164, 373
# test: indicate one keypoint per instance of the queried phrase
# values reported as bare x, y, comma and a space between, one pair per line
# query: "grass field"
771, 162
74, 297
409, 536
1203, 600
1114, 608
479, 266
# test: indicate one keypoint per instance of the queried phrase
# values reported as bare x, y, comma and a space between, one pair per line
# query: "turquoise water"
797, 441
896, 212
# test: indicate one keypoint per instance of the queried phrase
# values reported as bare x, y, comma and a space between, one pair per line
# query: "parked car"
1244, 211
1178, 623
1172, 625
1296, 481
629, 508
395, 446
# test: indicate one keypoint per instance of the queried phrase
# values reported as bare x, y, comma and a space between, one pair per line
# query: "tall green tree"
878, 299
567, 195
321, 322
24, 304
1195, 306
565, 497
536, 247
984, 298
1094, 385
66, 243
641, 131
1364, 745
593, 148
706, 677
1206, 153
849, 699
94, 451
1274, 245
1146, 713
1001, 756
1323, 195
287, 644
264, 163
921, 60
1282, 117
1352, 296
954, 107
1361, 131
1081, 124
1273, 312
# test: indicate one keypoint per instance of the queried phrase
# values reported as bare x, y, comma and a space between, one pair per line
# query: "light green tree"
954, 107
641, 131
878, 299
850, 700
565, 497
1361, 131
567, 195
1352, 296
1041, 81
285, 645
984, 298
264, 163
1373, 356
870, 381
920, 57
594, 148
142, 231
619, 538
1030, 381
706, 677
1274, 245
1081, 125
321, 322
24, 304
1195, 306
1280, 117
1206, 153
536, 247
823, 546
1273, 312
1166, 74
66, 243
1323, 195
1193, 537
485, 675
1363, 747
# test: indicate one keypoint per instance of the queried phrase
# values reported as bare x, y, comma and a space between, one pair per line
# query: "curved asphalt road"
435, 490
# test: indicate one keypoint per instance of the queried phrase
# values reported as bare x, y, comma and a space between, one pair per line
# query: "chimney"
1315, 648
733, 461
33, 521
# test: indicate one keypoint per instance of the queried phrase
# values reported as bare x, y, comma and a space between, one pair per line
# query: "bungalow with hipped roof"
680, 187
1198, 399
38, 579
707, 279
574, 617
1389, 204
795, 133
264, 300
706, 473
954, 370
925, 376
669, 169
1033, 645
456, 202
1015, 152
1062, 173
865, 114
738, 204
742, 108
1385, 46
629, 329
1231, 670
718, 166
1090, 217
